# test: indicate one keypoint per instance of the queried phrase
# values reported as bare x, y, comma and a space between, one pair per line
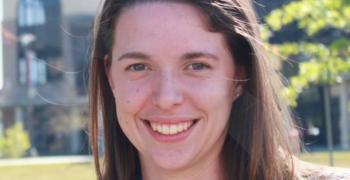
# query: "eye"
137, 67
198, 66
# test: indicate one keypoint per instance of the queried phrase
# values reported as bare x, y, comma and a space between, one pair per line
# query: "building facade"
45, 51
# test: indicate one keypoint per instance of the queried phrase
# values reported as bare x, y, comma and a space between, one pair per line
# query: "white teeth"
170, 129
159, 127
165, 129
154, 126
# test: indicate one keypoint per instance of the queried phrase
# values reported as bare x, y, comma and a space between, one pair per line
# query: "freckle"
137, 90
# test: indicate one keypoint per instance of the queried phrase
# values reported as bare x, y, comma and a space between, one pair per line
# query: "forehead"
174, 11
161, 23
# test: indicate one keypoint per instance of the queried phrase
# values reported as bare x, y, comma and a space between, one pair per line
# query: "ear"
240, 76
239, 84
107, 65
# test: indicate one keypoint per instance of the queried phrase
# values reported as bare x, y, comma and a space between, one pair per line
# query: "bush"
15, 143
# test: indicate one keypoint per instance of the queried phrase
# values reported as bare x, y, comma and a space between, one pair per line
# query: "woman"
183, 91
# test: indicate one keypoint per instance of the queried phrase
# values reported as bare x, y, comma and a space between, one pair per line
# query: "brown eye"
137, 67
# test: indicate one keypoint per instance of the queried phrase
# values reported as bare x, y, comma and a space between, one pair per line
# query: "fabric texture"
309, 171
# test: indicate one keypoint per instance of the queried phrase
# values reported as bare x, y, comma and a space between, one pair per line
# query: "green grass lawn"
341, 159
49, 172
86, 171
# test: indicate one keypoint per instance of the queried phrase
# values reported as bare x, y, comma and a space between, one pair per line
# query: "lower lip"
170, 138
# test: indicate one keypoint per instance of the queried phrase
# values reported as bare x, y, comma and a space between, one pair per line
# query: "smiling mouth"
171, 129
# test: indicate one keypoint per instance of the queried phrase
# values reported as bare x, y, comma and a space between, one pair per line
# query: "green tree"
15, 143
324, 63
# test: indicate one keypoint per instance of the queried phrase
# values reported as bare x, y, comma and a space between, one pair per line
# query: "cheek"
213, 91
218, 87
130, 96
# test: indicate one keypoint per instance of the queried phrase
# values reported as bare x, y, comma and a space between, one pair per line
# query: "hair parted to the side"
258, 144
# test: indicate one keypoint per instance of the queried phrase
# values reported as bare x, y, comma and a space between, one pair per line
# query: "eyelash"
133, 67
203, 66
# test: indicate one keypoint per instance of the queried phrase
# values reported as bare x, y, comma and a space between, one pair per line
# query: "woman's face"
172, 84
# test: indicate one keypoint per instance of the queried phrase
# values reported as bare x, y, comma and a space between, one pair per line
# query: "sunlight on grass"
86, 171
49, 172
341, 159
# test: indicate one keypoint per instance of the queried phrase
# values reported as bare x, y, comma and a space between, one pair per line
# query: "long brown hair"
258, 144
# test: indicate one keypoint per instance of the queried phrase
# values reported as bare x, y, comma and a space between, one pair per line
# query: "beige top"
309, 171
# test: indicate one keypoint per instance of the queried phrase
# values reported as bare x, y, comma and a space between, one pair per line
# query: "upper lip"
168, 119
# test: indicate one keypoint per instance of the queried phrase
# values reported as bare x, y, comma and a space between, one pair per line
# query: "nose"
167, 93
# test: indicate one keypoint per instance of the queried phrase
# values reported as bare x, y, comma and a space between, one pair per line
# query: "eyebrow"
134, 55
186, 56
195, 55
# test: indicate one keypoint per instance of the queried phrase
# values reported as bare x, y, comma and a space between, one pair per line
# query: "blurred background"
44, 52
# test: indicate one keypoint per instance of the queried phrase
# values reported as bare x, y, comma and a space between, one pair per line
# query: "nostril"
166, 100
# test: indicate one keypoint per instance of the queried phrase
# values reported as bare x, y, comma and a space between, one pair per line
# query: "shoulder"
309, 171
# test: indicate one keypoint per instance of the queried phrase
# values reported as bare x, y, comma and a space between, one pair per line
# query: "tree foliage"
322, 62
15, 143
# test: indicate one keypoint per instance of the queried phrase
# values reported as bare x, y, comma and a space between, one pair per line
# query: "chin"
172, 160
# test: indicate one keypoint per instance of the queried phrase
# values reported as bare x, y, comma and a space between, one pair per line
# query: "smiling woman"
184, 91
171, 87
